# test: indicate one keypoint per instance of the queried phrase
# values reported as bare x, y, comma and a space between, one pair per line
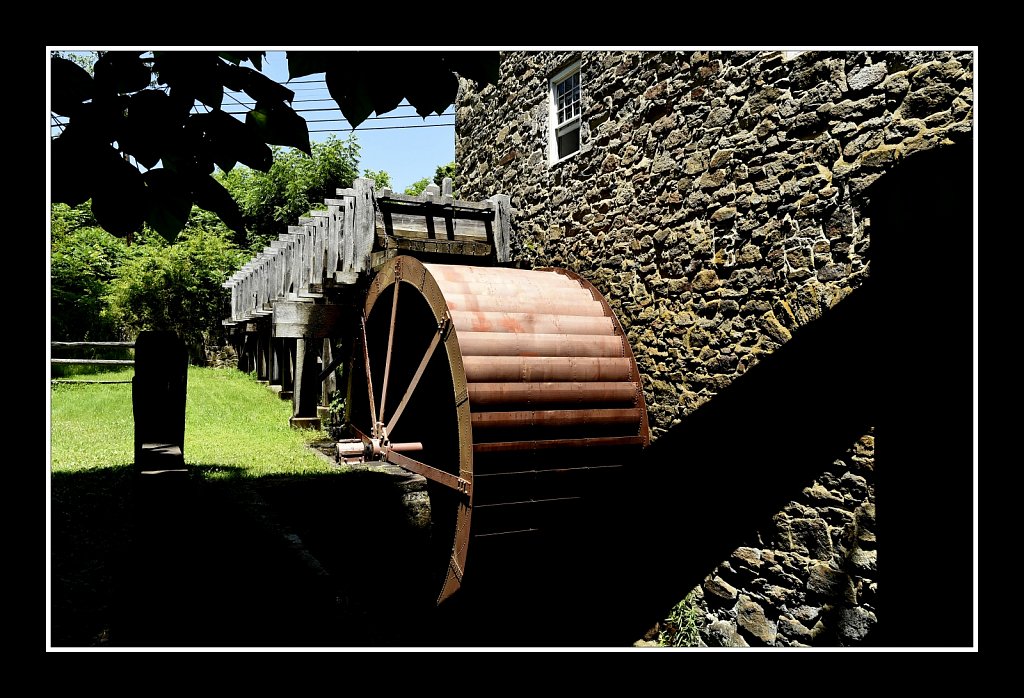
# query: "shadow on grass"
210, 558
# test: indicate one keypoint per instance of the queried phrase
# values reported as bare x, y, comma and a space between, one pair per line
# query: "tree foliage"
417, 187
104, 289
443, 171
84, 259
271, 201
138, 105
175, 287
381, 179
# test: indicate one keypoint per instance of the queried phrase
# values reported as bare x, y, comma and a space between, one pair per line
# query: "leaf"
349, 89
70, 85
119, 202
227, 140
153, 126
209, 194
433, 87
103, 118
256, 58
68, 151
193, 75
256, 85
479, 66
386, 94
302, 63
280, 125
119, 72
169, 202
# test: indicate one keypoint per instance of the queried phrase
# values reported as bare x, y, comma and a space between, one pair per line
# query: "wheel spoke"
387, 359
369, 375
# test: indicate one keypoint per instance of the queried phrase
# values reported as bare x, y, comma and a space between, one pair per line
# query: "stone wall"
718, 200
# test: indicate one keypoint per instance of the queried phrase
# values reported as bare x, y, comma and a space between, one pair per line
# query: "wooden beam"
92, 344
502, 227
365, 222
86, 362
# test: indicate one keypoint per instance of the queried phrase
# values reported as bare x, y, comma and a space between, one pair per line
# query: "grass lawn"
232, 424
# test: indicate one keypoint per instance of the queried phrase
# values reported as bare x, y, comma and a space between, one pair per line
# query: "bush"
176, 287
83, 261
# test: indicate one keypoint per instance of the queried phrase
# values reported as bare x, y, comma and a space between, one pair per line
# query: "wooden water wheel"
511, 391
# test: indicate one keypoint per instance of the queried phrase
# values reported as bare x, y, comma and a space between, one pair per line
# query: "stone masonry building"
723, 204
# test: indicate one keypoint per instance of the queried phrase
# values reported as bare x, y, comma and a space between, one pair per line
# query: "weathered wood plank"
441, 246
365, 222
92, 344
102, 362
348, 235
502, 227
334, 223
316, 268
423, 199
416, 226
299, 319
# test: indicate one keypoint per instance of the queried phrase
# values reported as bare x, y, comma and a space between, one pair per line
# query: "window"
566, 113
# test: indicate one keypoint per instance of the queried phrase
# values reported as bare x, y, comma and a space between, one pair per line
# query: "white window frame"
559, 129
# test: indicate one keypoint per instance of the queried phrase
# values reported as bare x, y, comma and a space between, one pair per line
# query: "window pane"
567, 98
568, 143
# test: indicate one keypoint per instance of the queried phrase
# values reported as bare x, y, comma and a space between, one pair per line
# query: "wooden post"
334, 223
158, 402
365, 224
306, 393
329, 384
502, 227
446, 187
284, 364
263, 351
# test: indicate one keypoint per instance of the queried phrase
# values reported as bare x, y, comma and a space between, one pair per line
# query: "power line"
380, 128
376, 118
361, 128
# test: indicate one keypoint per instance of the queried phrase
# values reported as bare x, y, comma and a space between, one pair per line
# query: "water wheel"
511, 391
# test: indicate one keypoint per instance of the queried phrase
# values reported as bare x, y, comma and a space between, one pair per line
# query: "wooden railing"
356, 233
90, 362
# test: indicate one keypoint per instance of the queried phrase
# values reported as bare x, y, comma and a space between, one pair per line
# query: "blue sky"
407, 154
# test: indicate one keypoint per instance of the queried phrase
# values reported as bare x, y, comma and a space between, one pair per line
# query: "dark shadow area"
177, 559
921, 250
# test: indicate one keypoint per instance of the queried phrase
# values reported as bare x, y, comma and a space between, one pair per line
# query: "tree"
137, 106
443, 171
417, 187
175, 287
269, 202
83, 261
381, 179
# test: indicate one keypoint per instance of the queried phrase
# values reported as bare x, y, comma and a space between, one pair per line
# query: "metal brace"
445, 326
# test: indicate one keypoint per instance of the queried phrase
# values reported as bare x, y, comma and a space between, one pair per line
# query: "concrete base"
263, 382
285, 395
323, 412
305, 422
275, 388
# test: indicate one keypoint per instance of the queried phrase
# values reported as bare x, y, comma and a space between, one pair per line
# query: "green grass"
233, 425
